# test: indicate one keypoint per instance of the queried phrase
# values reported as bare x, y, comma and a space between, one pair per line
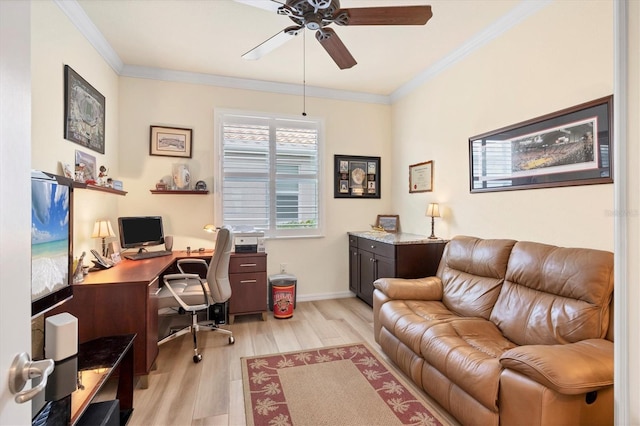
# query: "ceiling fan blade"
335, 48
393, 15
269, 5
272, 43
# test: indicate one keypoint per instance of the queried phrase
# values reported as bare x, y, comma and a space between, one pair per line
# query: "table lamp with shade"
433, 211
102, 229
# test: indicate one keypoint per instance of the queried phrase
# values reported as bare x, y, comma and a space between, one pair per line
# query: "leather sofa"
507, 332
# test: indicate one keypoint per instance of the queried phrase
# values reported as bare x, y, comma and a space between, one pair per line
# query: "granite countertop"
396, 239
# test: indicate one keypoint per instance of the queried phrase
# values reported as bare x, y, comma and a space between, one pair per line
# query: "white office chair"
191, 293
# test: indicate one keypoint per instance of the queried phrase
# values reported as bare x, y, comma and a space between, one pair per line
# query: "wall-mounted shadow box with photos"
356, 176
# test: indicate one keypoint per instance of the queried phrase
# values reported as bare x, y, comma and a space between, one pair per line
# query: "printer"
248, 242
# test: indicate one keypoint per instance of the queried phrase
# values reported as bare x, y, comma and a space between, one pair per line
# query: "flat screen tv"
140, 231
51, 241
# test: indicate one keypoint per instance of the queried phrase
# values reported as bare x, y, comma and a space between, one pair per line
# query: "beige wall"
522, 74
320, 264
545, 64
55, 43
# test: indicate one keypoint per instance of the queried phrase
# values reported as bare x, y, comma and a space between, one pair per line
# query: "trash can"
282, 295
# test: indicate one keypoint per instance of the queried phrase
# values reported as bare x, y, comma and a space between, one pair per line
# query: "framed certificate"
421, 177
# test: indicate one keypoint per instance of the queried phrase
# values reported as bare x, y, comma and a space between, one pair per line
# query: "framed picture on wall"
84, 112
421, 177
356, 176
570, 147
170, 141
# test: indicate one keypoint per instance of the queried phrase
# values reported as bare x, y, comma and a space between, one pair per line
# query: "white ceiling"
208, 37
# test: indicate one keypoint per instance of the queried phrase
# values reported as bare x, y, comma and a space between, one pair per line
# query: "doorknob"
23, 369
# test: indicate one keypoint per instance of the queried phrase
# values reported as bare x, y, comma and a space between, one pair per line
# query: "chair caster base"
197, 358
232, 340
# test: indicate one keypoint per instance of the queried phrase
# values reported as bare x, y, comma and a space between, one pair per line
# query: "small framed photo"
85, 170
388, 222
171, 141
421, 177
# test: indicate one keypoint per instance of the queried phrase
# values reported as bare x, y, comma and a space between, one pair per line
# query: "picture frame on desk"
388, 222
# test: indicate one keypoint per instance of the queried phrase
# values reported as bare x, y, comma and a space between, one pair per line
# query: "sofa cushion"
409, 319
467, 352
472, 271
554, 295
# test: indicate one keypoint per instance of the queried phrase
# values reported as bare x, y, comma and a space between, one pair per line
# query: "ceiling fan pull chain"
304, 74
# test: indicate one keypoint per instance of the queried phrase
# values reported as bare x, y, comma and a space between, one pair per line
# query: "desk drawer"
249, 293
240, 264
376, 247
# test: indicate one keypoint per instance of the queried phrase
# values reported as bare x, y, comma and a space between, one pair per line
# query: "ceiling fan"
317, 15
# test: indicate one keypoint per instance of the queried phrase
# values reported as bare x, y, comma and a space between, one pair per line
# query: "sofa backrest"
554, 295
472, 271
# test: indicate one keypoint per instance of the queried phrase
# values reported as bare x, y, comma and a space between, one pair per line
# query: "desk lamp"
433, 211
102, 229
210, 228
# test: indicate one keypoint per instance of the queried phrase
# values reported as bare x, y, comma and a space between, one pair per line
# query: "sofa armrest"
570, 369
429, 288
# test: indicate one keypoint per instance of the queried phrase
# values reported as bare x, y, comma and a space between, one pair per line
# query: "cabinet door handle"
373, 246
248, 281
248, 265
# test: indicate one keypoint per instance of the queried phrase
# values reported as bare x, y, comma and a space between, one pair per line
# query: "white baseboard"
324, 296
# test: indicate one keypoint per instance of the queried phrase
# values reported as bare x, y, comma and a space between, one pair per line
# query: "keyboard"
147, 254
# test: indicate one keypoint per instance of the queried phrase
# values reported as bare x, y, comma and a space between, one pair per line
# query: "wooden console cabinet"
248, 277
374, 255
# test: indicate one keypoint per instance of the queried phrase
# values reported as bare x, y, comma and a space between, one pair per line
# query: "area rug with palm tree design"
340, 385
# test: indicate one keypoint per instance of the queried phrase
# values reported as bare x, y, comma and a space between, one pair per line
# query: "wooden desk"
120, 300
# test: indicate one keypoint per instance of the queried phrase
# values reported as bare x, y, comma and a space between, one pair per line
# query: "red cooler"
283, 298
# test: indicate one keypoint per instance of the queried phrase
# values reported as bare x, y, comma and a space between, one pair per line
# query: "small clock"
201, 186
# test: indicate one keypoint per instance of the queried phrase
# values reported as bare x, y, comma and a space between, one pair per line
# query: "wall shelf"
192, 192
81, 185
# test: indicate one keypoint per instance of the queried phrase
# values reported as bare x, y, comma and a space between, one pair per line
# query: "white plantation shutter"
270, 174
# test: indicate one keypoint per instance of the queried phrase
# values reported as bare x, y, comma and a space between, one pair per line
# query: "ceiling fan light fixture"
317, 15
320, 4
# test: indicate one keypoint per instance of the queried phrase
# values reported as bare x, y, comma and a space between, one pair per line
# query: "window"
270, 174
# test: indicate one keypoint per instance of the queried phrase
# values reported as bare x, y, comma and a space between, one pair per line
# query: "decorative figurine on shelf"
102, 176
201, 185
80, 172
181, 176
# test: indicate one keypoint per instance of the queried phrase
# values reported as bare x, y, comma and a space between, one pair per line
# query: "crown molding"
80, 19
87, 28
519, 13
248, 84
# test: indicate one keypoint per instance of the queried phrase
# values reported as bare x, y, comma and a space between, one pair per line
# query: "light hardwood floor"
210, 393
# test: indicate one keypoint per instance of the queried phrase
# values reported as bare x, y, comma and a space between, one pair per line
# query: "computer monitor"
140, 231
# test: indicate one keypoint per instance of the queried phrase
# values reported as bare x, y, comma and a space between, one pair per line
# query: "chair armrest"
570, 369
429, 288
192, 262
174, 279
